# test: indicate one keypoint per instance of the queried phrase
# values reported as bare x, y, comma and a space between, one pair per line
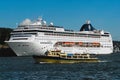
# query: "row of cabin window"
92, 36
65, 34
73, 35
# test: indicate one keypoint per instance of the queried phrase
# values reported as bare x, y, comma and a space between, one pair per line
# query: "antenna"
39, 19
88, 22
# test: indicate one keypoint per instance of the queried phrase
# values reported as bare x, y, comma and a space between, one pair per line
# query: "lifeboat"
80, 43
96, 44
68, 43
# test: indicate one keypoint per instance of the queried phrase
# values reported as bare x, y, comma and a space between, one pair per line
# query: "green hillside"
4, 48
4, 35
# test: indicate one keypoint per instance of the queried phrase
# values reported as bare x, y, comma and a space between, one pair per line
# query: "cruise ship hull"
34, 48
26, 48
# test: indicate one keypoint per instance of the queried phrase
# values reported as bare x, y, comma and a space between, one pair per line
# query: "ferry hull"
49, 59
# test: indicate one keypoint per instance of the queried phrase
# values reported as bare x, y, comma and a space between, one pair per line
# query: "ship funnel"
87, 27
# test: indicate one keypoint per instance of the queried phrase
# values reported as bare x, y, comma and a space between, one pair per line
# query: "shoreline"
6, 52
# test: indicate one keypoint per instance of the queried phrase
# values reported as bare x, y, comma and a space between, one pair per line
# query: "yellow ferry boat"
56, 56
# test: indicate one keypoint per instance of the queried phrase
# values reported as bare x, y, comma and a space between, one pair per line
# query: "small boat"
56, 56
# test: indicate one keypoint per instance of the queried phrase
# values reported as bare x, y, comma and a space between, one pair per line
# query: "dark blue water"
24, 68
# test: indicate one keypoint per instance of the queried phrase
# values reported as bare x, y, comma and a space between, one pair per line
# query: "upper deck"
41, 26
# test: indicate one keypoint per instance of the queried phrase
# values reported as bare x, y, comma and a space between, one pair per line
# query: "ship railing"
76, 56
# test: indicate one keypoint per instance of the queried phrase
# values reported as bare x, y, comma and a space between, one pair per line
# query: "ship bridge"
87, 27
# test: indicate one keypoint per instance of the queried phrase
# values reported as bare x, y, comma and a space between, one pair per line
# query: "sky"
71, 14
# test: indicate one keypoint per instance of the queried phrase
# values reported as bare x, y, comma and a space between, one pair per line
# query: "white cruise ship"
36, 38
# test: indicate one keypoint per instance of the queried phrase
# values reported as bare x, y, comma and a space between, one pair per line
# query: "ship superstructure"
36, 38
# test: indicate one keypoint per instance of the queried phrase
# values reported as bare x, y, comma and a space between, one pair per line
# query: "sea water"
24, 68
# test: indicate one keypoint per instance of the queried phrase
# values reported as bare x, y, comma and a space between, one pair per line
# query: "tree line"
4, 36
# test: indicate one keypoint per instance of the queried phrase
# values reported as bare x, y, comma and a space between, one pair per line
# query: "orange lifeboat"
80, 43
68, 43
96, 44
